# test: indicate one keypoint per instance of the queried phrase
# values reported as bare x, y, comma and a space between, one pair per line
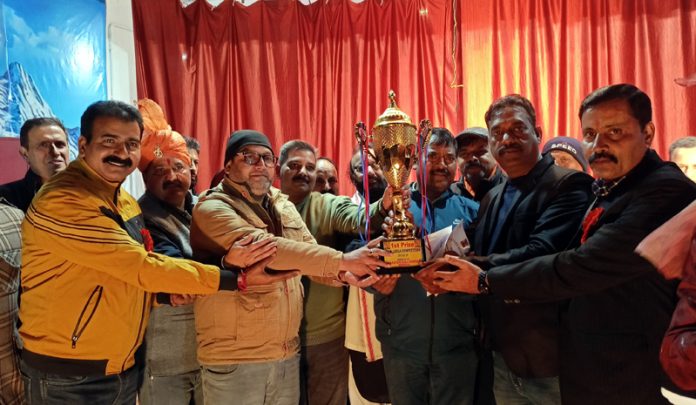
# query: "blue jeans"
449, 379
268, 383
47, 389
180, 389
510, 389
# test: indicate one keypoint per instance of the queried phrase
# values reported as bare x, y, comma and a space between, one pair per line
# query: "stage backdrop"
310, 72
52, 57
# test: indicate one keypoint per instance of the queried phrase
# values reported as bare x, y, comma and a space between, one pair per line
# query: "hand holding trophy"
397, 146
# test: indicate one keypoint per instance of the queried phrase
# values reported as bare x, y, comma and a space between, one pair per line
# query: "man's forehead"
44, 132
115, 127
510, 113
166, 161
441, 148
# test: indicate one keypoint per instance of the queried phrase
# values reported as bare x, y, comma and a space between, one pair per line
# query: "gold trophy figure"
397, 144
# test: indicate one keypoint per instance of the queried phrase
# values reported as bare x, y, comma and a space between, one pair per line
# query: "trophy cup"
397, 147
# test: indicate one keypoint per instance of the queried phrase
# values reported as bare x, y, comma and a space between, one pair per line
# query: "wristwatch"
483, 283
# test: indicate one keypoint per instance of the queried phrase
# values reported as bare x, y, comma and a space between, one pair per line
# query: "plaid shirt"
11, 390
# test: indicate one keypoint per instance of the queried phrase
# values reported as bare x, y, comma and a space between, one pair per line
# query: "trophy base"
407, 255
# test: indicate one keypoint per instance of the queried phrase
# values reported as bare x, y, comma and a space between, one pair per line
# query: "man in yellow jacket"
88, 271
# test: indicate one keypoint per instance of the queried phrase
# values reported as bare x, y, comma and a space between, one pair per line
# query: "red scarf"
590, 221
147, 240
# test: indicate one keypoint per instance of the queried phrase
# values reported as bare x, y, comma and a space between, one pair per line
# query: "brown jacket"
262, 323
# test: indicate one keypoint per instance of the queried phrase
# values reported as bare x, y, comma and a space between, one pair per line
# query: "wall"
120, 68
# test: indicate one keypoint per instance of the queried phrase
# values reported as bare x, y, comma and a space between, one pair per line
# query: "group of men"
237, 295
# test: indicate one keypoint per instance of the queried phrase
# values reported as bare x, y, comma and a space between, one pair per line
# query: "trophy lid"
393, 115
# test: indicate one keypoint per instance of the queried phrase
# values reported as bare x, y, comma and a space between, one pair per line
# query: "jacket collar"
650, 162
529, 180
98, 184
32, 179
416, 194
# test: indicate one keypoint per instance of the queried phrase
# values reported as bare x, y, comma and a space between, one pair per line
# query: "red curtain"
310, 72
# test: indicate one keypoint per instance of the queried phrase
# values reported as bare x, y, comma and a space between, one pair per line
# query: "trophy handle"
361, 136
360, 132
425, 129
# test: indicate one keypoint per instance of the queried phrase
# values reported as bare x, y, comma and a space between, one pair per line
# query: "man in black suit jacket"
535, 212
619, 305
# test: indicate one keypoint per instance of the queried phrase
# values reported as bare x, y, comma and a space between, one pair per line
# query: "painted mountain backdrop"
21, 100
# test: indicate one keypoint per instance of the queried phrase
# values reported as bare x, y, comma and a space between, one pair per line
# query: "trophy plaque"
397, 142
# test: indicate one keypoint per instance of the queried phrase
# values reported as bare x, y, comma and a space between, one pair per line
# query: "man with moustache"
44, 145
324, 360
171, 374
536, 211
88, 271
376, 181
366, 382
327, 176
620, 306
428, 341
248, 342
478, 169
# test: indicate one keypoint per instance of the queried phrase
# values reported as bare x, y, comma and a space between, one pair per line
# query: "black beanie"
242, 138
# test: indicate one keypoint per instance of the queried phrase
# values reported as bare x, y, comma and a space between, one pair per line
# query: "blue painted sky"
62, 45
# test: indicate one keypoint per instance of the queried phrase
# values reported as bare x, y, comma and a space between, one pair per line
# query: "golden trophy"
397, 146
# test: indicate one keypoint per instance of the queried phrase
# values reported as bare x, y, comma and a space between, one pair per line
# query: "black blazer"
619, 306
545, 218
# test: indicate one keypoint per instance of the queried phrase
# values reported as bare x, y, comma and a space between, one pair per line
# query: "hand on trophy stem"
392, 217
389, 202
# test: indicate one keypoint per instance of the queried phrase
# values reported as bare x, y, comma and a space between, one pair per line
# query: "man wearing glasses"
248, 341
427, 340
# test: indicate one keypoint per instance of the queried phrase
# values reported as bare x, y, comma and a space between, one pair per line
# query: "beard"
258, 186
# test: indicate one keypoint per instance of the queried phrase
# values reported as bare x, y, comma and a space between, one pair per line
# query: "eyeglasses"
437, 158
160, 171
252, 158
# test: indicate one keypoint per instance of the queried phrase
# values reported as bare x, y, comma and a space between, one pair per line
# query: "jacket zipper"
77, 332
137, 337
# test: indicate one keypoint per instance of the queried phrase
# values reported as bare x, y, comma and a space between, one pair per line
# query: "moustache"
473, 164
605, 155
172, 184
510, 148
114, 159
301, 178
441, 172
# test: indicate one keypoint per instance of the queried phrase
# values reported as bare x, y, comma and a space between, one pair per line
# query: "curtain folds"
310, 72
